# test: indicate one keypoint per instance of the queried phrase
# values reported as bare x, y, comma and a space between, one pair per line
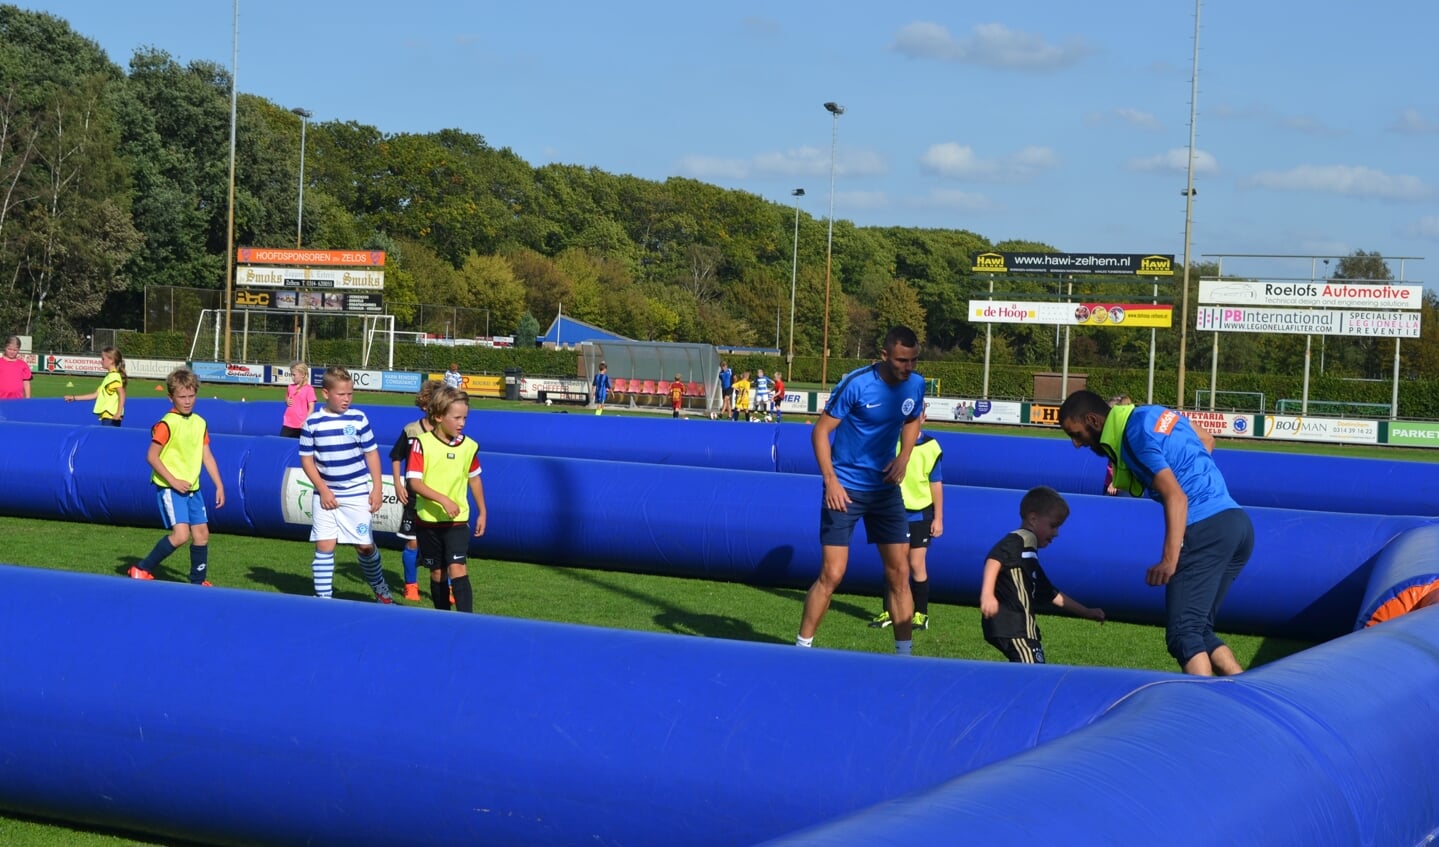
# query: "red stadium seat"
622, 385
695, 389
648, 387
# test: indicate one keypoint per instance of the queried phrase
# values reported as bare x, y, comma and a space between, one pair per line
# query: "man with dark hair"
1207, 537
869, 410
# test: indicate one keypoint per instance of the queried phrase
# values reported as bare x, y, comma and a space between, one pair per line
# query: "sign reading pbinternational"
1307, 321
296, 256
1328, 293
310, 278
1119, 315
304, 300
1119, 264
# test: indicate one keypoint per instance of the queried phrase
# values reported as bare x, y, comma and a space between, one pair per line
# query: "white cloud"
1134, 117
1412, 122
990, 45
1348, 180
1426, 227
1268, 115
800, 161
1176, 159
951, 159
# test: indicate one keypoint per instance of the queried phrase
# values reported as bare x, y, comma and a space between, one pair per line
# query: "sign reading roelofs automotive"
1328, 294
1307, 321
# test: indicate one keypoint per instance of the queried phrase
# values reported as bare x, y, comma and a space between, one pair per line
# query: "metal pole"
230, 209
793, 277
988, 344
1308, 348
1149, 391
1189, 217
835, 111
300, 206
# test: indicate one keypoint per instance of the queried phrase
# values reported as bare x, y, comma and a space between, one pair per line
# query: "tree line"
112, 180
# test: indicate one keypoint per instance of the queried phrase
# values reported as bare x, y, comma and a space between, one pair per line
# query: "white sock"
903, 647
801, 641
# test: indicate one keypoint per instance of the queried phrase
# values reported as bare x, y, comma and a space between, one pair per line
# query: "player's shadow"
161, 572
681, 620
837, 603
303, 585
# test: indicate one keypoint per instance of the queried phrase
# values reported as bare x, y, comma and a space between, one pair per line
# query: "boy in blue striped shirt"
339, 455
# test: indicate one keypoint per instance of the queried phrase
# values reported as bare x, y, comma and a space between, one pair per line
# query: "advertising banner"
235, 373
1121, 264
1043, 414
75, 364
295, 256
1321, 429
962, 410
308, 300
1413, 434
277, 277
1221, 423
530, 387
403, 381
1329, 294
297, 502
1117, 315
1307, 321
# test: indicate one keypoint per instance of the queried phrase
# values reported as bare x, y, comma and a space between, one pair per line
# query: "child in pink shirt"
299, 400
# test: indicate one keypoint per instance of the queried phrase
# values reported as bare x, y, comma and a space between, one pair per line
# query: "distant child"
602, 388
339, 455
726, 381
15, 375
299, 400
398, 454
1014, 582
677, 395
179, 447
442, 463
110, 396
763, 396
779, 398
741, 396
453, 378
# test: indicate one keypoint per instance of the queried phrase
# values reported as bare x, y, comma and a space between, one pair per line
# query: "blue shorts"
1215, 551
885, 520
177, 508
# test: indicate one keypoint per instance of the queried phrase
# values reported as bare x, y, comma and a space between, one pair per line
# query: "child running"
398, 454
1014, 582
299, 400
339, 455
443, 462
110, 396
179, 447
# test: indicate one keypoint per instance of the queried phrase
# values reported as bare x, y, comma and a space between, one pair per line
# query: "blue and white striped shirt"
339, 442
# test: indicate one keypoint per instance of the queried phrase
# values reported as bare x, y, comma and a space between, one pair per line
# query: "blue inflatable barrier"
233, 717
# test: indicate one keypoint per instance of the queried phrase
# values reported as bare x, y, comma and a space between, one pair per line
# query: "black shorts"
1026, 651
919, 529
289, 432
442, 545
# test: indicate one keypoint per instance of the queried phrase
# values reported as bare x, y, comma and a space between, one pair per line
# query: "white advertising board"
1222, 423
352, 278
1307, 321
1332, 430
1327, 294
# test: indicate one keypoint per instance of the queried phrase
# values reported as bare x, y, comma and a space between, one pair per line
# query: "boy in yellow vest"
442, 463
179, 447
923, 491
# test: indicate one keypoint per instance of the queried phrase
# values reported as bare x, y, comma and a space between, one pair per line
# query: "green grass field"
680, 607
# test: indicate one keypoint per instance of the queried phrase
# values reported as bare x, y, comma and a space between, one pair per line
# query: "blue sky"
1051, 121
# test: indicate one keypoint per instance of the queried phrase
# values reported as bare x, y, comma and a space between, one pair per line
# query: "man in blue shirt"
869, 410
1207, 537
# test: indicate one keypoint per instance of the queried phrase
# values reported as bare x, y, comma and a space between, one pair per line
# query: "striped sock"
323, 568
199, 560
374, 572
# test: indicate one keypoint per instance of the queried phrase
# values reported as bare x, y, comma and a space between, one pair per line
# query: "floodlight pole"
835, 110
230, 208
1188, 218
793, 276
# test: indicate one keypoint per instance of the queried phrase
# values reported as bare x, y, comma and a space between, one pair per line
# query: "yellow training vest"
447, 470
915, 485
184, 453
107, 396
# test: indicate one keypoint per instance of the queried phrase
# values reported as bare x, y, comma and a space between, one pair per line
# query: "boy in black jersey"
1014, 582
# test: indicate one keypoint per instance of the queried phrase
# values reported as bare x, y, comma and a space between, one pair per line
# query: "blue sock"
409, 557
199, 557
903, 648
162, 548
374, 572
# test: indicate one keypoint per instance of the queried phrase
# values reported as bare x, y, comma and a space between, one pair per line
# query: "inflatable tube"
230, 717
1332, 746
985, 460
1305, 580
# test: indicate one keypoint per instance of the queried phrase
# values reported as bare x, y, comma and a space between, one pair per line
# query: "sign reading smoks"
262, 276
1118, 315
1076, 264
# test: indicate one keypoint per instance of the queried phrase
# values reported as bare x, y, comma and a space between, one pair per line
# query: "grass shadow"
679, 620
